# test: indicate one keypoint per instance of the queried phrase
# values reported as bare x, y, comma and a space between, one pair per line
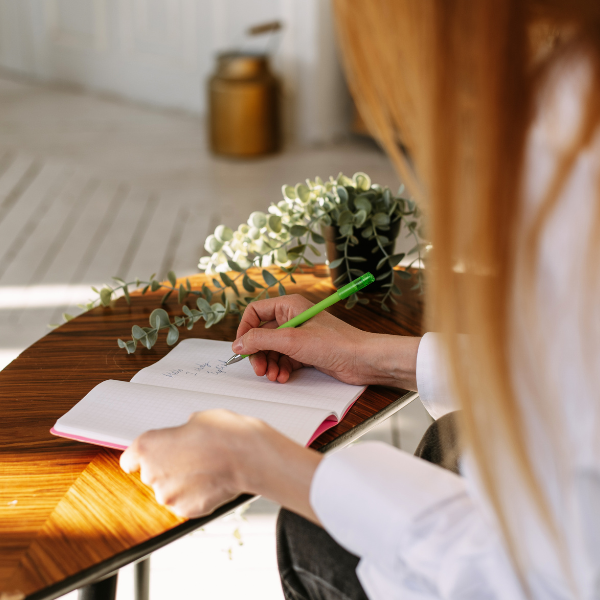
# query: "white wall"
161, 52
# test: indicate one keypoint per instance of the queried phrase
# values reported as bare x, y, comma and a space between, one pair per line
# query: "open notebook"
193, 377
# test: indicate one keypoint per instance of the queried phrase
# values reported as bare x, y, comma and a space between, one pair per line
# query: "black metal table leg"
103, 589
142, 579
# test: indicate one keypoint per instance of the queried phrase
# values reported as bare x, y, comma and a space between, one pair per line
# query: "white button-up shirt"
423, 532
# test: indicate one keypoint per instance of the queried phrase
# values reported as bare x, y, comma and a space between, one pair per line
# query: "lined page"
199, 365
116, 412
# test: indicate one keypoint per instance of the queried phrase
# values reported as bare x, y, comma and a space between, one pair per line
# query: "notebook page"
199, 365
116, 412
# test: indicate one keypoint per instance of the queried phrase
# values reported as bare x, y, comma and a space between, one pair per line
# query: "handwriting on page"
215, 367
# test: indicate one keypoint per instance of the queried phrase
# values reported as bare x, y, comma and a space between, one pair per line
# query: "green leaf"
296, 249
179, 321
188, 285
255, 283
303, 193
383, 276
396, 290
234, 266
346, 229
181, 294
336, 263
362, 181
356, 259
172, 335
137, 332
345, 217
384, 307
288, 192
363, 301
404, 274
206, 291
226, 279
351, 301
360, 217
308, 262
356, 272
159, 318
186, 309
97, 292
269, 278
315, 250
341, 246
274, 223
395, 259
172, 278
126, 294
367, 232
281, 290
155, 285
363, 203
382, 262
317, 238
119, 280
105, 296
145, 289
217, 284
298, 230
166, 297
342, 193
380, 219
246, 283
67, 317
204, 306
340, 279
130, 345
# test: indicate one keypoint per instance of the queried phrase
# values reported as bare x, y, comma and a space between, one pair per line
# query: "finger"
259, 363
272, 365
288, 341
278, 309
285, 369
130, 459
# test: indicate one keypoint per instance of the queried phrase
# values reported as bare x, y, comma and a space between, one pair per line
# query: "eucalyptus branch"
281, 237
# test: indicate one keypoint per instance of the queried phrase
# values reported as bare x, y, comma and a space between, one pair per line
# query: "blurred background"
106, 169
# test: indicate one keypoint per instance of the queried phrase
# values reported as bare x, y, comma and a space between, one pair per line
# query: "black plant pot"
364, 248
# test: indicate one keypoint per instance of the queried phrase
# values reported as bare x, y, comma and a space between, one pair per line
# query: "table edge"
140, 551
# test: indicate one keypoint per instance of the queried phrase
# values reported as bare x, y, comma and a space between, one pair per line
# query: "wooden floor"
91, 188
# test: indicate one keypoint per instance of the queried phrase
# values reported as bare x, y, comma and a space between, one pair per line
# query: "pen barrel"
312, 311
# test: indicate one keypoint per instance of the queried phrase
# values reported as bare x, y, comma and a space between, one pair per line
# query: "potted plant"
357, 221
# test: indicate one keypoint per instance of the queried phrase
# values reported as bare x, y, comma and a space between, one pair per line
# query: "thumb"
286, 341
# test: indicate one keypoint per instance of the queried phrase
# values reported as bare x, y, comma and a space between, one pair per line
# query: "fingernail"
237, 346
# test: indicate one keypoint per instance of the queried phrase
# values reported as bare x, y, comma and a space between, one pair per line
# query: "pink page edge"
322, 428
80, 438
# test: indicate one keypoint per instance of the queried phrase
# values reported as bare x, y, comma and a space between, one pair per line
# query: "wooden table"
68, 514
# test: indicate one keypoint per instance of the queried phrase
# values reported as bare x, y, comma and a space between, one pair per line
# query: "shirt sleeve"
433, 378
412, 524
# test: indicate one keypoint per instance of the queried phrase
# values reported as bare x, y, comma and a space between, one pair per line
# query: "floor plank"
21, 223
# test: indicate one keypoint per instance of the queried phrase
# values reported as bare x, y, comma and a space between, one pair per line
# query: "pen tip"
235, 358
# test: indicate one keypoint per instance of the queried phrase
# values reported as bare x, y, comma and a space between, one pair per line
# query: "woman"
498, 104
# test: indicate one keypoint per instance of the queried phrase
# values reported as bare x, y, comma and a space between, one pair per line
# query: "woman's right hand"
324, 342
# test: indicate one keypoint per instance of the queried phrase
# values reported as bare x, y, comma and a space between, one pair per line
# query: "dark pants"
312, 565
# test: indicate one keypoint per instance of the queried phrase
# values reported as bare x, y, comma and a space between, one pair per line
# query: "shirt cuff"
367, 495
433, 380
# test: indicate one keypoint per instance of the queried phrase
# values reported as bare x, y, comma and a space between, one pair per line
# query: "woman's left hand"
217, 455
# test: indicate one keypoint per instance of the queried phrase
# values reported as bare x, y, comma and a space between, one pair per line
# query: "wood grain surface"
66, 506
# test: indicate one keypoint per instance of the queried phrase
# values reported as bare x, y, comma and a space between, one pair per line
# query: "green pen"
341, 294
